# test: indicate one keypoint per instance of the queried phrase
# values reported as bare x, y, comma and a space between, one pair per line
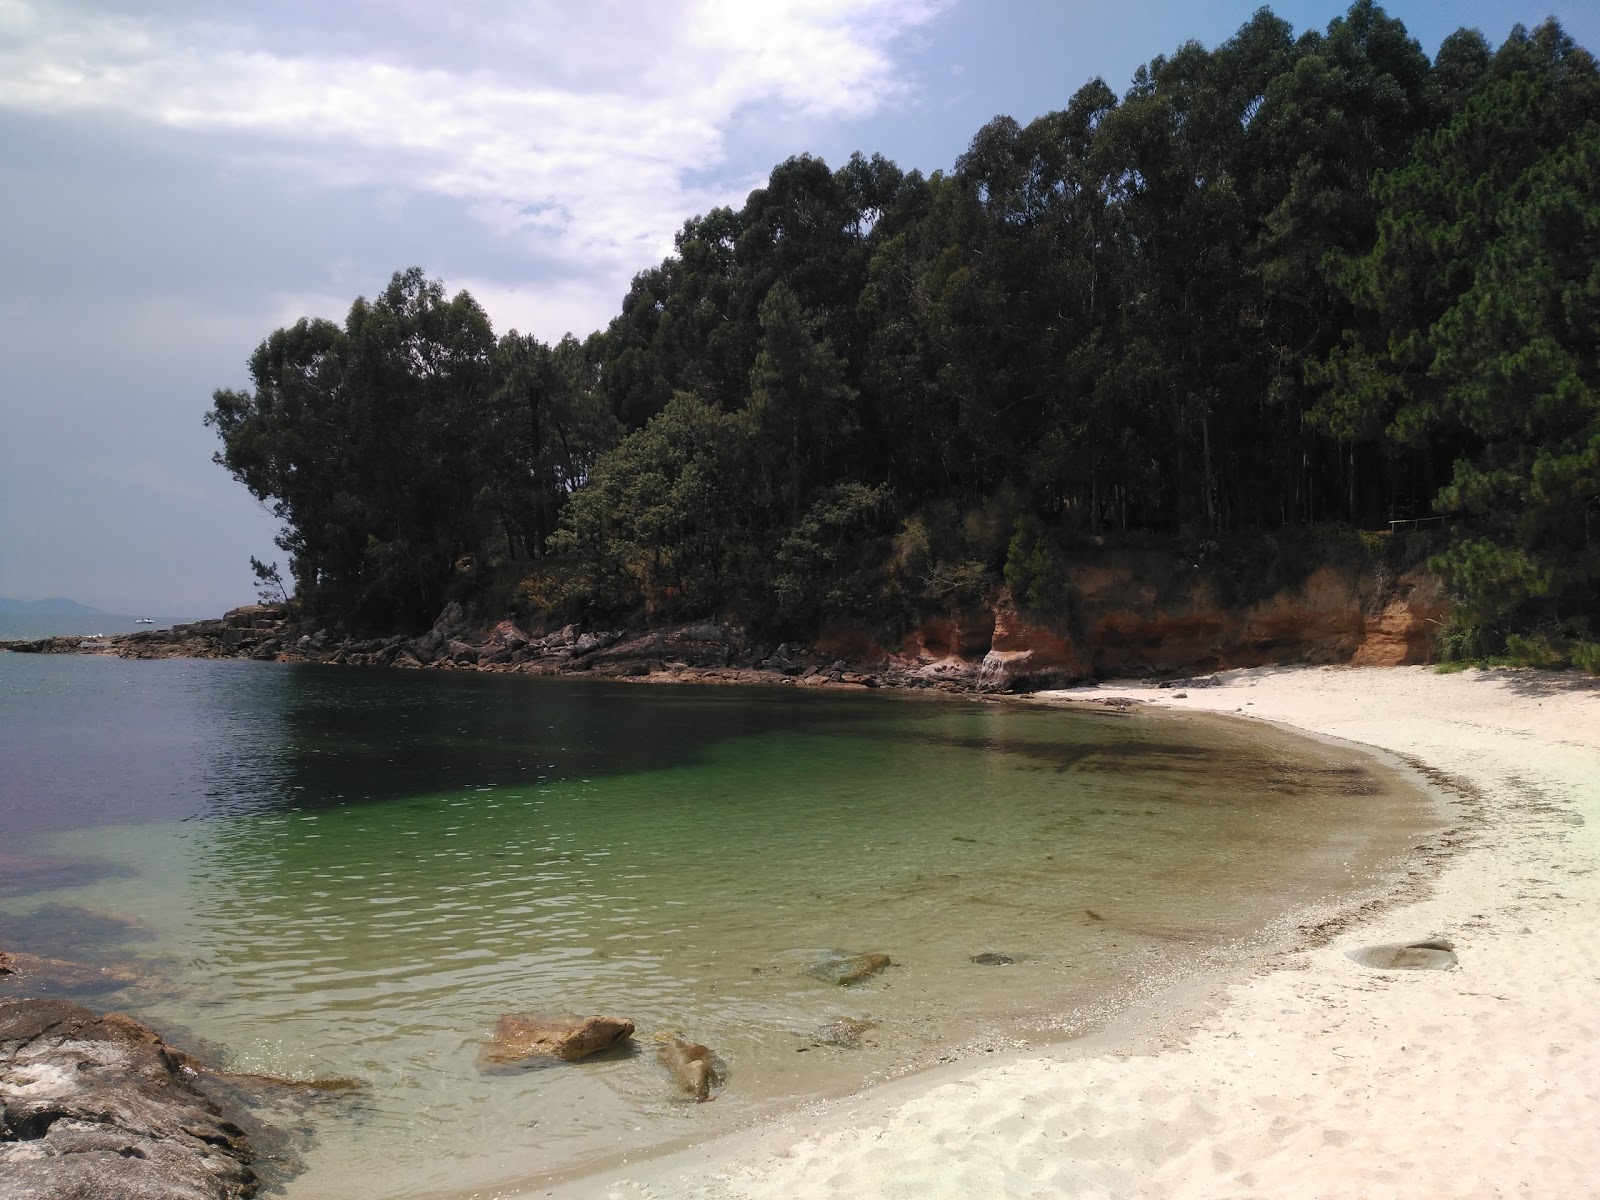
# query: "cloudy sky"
183, 176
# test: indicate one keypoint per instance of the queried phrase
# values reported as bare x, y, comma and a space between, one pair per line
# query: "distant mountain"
53, 606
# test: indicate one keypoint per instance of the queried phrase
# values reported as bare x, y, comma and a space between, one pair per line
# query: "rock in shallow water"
990, 959
847, 969
695, 1069
54, 975
99, 1106
845, 1032
521, 1035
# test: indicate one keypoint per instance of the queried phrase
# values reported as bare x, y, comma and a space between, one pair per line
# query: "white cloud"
547, 309
577, 127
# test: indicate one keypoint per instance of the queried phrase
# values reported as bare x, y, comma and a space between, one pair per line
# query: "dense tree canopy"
1282, 282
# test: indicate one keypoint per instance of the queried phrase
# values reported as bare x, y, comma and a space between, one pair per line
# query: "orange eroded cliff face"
1402, 630
1131, 617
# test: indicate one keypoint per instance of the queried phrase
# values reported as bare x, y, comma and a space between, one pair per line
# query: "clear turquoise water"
340, 872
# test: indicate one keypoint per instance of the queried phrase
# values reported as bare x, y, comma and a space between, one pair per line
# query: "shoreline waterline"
1152, 1017
1032, 748
1314, 1076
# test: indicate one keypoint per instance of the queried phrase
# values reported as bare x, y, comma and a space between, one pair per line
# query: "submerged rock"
57, 975
21, 874
845, 1032
99, 1106
847, 969
695, 1069
1436, 955
55, 928
518, 1036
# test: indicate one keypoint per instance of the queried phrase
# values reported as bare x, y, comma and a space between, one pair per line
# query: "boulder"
519, 1035
508, 636
695, 1069
704, 631
451, 621
587, 643
845, 969
554, 643
461, 652
100, 1106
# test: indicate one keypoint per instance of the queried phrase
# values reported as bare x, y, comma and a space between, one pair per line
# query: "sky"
180, 177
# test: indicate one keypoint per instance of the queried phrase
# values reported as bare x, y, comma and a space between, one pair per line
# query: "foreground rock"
695, 1069
100, 1106
566, 1039
847, 969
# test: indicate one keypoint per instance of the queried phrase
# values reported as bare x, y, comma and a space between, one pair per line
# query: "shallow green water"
338, 872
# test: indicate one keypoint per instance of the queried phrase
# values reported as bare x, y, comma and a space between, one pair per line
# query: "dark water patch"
26, 874
1066, 753
69, 929
107, 741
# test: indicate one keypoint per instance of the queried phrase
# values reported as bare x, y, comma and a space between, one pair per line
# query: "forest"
1286, 285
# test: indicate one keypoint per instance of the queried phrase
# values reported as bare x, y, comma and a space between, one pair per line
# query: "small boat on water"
144, 620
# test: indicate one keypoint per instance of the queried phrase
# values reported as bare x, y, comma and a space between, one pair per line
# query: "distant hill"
52, 606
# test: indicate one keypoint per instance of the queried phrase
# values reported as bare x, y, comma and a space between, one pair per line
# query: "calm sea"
325, 871
15, 627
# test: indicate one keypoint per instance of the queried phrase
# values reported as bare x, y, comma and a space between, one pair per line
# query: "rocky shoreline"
1123, 627
697, 652
99, 1105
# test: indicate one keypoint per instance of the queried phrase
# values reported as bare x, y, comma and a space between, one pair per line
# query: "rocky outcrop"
100, 1106
1144, 612
1028, 655
520, 1036
694, 1068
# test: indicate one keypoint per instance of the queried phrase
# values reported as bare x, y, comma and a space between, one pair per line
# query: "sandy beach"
1312, 1075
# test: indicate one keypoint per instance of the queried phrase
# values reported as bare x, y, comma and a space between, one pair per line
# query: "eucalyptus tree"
1475, 352
366, 440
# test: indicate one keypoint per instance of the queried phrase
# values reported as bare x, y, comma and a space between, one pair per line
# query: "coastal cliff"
1130, 614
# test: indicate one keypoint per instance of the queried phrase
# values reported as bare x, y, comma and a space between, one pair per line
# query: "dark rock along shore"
1125, 628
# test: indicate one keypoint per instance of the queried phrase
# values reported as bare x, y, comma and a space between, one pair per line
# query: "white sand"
1316, 1076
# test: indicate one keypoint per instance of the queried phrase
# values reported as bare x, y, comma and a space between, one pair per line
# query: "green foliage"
828, 566
1464, 642
660, 523
1035, 571
1586, 656
1277, 293
1481, 298
271, 589
1465, 638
